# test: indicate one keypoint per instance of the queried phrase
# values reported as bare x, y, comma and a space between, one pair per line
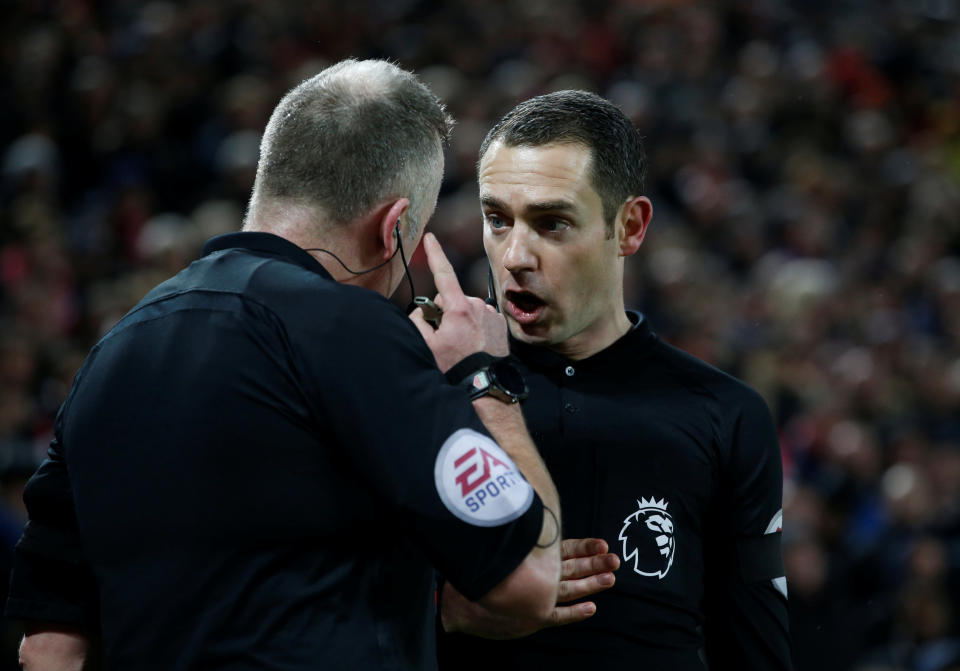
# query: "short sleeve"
745, 591
417, 441
50, 580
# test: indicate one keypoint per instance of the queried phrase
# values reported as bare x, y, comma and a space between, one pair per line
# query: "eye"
495, 221
554, 225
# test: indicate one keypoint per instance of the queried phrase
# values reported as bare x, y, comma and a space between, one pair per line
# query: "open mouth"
524, 306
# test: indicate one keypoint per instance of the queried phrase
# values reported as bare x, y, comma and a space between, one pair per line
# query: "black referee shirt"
255, 469
677, 466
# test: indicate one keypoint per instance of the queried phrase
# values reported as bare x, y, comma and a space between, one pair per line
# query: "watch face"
509, 378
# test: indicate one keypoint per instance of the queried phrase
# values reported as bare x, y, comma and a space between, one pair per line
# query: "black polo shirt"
677, 466
259, 466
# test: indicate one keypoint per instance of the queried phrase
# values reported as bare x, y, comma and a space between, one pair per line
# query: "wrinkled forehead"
552, 172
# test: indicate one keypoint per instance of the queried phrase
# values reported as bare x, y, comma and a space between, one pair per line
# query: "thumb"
425, 329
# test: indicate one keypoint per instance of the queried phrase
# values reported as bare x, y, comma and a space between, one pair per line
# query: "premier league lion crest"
648, 539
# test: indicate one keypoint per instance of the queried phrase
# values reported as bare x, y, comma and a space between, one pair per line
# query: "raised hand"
469, 325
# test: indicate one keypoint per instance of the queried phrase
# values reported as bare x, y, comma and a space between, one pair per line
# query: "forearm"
53, 650
529, 594
587, 569
459, 614
505, 423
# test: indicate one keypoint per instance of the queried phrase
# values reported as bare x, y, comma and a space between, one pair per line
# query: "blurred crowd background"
804, 165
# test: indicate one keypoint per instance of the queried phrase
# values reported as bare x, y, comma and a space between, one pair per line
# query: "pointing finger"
444, 276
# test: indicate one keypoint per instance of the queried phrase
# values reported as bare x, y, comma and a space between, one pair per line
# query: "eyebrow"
543, 206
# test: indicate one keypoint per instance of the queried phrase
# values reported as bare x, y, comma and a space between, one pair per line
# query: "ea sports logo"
648, 538
478, 482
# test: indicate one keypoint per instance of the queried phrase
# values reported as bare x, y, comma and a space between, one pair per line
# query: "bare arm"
469, 325
530, 592
587, 568
53, 650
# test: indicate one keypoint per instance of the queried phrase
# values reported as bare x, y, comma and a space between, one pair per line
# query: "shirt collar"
269, 243
639, 336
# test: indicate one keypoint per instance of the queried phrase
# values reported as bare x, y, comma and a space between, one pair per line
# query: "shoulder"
306, 301
743, 425
728, 391
280, 299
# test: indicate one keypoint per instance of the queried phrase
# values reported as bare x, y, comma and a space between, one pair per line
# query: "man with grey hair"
261, 463
336, 144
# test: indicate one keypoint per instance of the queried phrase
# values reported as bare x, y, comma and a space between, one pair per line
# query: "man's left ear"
634, 219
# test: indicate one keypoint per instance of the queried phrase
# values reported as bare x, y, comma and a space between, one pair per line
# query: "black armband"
759, 557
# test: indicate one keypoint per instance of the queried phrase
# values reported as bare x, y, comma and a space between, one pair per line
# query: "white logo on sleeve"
776, 524
478, 482
648, 538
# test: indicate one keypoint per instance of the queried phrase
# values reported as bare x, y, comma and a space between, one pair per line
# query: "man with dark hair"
673, 463
260, 464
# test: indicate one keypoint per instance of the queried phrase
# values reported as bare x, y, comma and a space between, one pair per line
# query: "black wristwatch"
499, 379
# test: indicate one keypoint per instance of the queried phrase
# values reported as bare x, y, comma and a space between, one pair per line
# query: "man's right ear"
390, 226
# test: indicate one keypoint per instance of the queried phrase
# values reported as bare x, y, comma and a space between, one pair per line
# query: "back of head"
583, 118
353, 135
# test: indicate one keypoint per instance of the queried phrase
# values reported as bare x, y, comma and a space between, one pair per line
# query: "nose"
519, 255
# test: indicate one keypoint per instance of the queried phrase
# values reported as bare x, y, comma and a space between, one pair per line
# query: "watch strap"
468, 366
476, 392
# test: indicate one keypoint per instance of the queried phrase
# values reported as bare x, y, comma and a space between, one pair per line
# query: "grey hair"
351, 136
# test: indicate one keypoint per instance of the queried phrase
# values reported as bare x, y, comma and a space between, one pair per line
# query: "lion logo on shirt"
648, 538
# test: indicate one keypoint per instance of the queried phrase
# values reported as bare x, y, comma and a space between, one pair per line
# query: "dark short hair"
352, 135
580, 117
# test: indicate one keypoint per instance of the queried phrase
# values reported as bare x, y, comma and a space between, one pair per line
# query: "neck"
367, 277
344, 255
301, 224
595, 339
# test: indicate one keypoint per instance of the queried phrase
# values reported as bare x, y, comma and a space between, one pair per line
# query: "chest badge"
648, 538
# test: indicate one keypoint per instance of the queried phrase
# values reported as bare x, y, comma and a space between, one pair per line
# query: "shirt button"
569, 371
